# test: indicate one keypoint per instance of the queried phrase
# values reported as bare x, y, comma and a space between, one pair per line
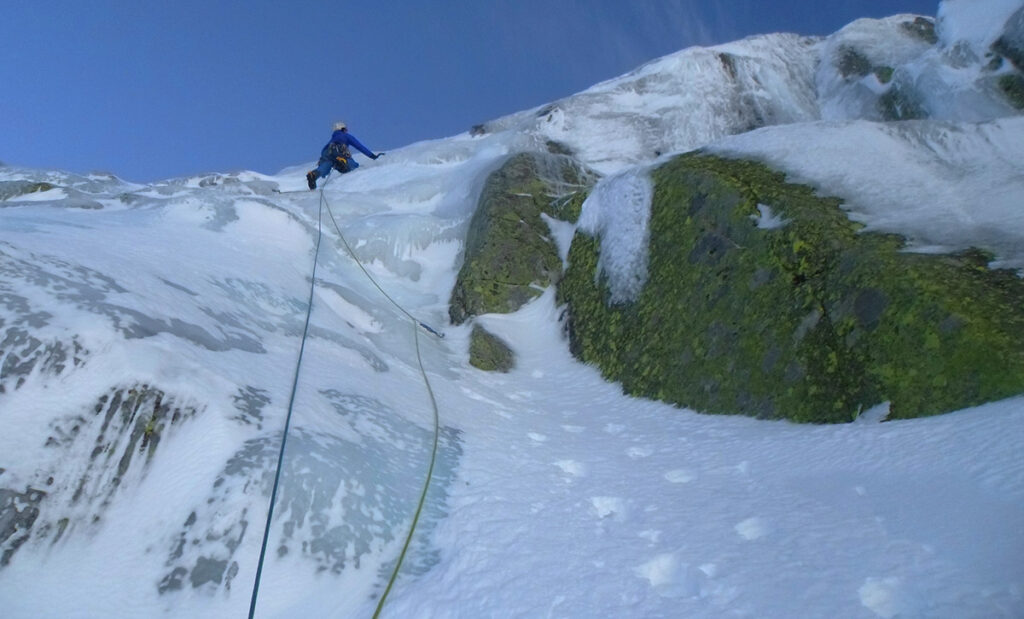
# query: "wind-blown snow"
618, 212
978, 24
946, 186
882, 42
554, 494
681, 102
767, 219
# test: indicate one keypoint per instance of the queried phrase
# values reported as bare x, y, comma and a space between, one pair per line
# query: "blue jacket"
345, 139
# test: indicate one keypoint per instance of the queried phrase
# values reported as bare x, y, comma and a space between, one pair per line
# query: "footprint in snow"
672, 578
614, 428
572, 468
573, 429
680, 476
540, 438
609, 507
888, 597
752, 528
639, 452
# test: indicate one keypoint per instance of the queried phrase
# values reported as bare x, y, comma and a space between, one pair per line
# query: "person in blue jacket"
336, 155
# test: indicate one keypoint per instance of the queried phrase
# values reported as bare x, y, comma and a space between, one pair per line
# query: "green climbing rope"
416, 324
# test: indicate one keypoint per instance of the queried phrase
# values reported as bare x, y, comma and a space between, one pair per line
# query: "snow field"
569, 499
668, 513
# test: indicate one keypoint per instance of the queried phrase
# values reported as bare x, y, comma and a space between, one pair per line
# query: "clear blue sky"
151, 90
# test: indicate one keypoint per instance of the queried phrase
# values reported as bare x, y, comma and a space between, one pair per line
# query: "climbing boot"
311, 179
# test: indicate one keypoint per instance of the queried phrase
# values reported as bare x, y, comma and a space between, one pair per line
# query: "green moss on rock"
13, 189
510, 257
558, 148
489, 352
922, 28
1012, 86
884, 74
852, 64
1005, 49
1011, 42
571, 206
813, 321
900, 104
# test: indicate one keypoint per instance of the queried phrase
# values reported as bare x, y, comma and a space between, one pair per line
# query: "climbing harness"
417, 324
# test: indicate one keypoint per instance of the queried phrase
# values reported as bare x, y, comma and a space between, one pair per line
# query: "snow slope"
946, 186
554, 495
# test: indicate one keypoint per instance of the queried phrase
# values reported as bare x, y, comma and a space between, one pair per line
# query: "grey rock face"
97, 451
340, 495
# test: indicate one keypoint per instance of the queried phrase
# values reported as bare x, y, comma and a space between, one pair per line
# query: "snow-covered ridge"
946, 186
694, 97
680, 102
824, 110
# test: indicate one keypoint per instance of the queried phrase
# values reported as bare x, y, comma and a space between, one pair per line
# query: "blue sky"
151, 90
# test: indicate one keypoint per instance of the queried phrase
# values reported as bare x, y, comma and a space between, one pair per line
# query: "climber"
337, 155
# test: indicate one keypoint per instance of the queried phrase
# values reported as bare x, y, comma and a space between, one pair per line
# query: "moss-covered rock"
900, 103
1010, 43
557, 148
922, 28
884, 74
489, 352
1006, 50
852, 64
510, 257
812, 321
13, 189
897, 102
1012, 86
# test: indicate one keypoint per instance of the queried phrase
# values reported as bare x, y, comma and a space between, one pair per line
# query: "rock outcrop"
510, 257
111, 443
803, 317
489, 352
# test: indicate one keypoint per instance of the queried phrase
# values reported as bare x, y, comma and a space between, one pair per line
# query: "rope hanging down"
291, 404
416, 323
288, 419
348, 248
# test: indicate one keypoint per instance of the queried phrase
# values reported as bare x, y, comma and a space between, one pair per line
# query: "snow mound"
972, 23
946, 186
618, 212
